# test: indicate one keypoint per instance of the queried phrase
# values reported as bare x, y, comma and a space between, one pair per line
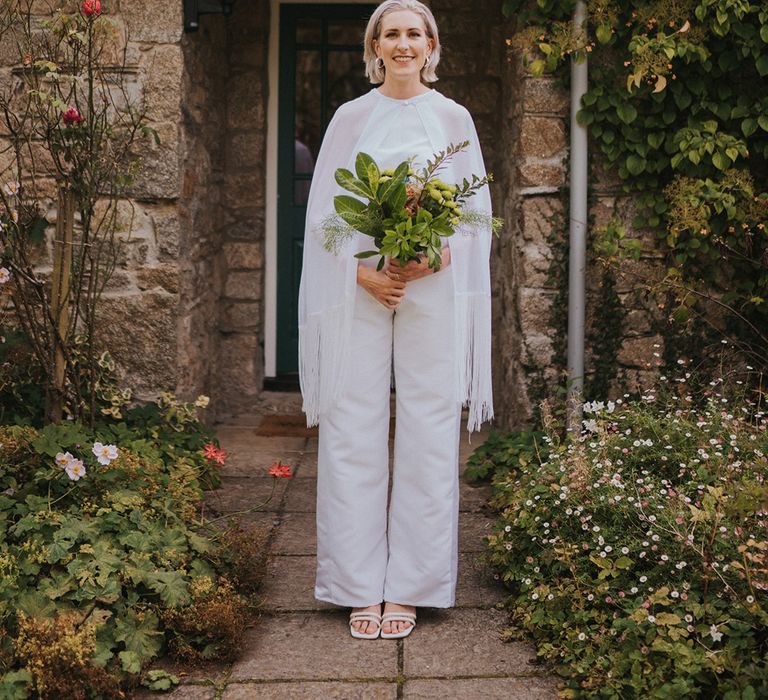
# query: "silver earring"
380, 63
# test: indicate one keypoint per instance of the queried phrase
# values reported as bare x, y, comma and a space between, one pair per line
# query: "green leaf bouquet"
406, 213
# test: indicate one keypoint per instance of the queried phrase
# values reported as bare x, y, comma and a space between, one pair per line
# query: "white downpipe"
577, 235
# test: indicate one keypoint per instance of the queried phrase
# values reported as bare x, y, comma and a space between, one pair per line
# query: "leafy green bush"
637, 555
677, 108
502, 452
101, 551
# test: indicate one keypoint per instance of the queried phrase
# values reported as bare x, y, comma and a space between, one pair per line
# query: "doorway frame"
270, 223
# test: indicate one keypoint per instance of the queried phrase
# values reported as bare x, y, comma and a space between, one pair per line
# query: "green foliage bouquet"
407, 213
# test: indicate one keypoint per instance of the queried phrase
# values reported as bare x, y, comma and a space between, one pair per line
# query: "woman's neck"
402, 90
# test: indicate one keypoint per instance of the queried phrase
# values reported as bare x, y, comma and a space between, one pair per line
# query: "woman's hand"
416, 269
381, 286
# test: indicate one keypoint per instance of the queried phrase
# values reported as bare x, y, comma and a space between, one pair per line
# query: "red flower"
72, 117
280, 470
214, 454
91, 7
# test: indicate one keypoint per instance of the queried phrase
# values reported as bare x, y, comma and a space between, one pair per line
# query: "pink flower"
72, 117
214, 454
91, 7
75, 469
280, 470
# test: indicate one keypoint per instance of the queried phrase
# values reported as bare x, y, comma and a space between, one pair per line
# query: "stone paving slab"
485, 688
464, 642
255, 464
473, 498
472, 528
311, 691
241, 494
290, 584
302, 496
244, 438
475, 587
301, 648
312, 646
181, 692
296, 534
307, 466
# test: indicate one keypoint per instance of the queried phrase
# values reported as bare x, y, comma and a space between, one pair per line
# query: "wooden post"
60, 294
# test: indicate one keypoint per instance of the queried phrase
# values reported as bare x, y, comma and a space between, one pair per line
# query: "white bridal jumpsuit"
365, 554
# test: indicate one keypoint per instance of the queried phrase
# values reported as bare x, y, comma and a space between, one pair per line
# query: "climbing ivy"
678, 105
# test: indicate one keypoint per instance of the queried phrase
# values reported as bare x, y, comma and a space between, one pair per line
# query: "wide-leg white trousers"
410, 557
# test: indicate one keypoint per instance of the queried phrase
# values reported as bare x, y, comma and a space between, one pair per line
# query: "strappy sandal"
398, 617
365, 617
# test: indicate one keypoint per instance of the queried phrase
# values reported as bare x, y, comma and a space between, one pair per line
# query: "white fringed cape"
328, 280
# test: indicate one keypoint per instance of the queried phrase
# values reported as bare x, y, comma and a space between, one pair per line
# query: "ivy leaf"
721, 161
603, 33
764, 33
762, 120
537, 68
635, 164
748, 126
626, 112
762, 65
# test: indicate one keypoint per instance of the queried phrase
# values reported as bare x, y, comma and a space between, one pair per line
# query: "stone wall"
139, 314
241, 312
184, 309
529, 273
140, 311
203, 124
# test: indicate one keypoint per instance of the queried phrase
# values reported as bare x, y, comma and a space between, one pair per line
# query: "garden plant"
677, 107
637, 555
108, 557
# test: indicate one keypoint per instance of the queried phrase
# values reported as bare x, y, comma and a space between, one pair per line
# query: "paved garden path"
301, 649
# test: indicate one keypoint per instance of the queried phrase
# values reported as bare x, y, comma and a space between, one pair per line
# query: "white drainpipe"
578, 237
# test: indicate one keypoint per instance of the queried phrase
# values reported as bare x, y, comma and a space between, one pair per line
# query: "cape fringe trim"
473, 336
324, 335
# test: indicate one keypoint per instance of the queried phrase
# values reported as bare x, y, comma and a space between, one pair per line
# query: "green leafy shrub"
57, 653
212, 626
637, 556
676, 106
105, 541
502, 452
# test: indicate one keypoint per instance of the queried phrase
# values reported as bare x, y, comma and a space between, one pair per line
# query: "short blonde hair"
373, 72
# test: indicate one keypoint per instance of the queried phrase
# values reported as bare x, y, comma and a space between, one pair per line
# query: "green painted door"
321, 67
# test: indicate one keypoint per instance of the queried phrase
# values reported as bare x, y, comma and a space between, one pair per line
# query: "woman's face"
403, 44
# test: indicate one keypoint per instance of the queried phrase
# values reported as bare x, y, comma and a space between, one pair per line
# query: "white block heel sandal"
398, 617
365, 617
